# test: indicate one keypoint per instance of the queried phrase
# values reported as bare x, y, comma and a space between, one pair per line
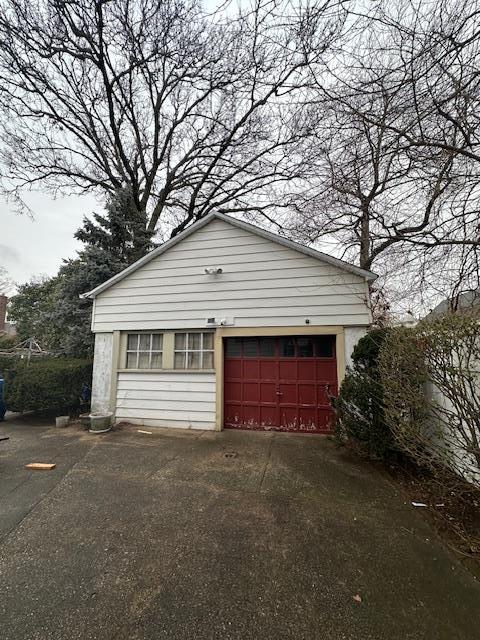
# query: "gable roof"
246, 226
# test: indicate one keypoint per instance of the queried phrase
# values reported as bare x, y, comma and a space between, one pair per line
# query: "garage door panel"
308, 418
268, 370
233, 391
306, 370
232, 413
251, 415
287, 369
288, 393
307, 394
326, 370
268, 392
232, 369
251, 390
251, 370
268, 416
323, 394
289, 418
277, 383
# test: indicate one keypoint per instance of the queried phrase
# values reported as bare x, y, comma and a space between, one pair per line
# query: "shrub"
7, 364
359, 406
47, 384
402, 370
7, 342
366, 352
431, 378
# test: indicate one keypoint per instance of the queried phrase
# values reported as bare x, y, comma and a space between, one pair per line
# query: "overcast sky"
32, 247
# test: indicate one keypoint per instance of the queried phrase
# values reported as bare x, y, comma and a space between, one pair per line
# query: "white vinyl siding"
179, 399
262, 284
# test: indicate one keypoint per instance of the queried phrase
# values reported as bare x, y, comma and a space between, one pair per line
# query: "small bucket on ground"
100, 422
85, 420
62, 421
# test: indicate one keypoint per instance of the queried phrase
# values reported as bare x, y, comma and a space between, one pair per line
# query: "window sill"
165, 370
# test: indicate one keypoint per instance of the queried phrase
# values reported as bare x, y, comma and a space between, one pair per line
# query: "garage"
227, 325
280, 383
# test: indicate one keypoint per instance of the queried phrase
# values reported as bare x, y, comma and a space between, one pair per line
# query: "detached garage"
227, 326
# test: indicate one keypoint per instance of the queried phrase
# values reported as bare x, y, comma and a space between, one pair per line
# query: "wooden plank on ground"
41, 466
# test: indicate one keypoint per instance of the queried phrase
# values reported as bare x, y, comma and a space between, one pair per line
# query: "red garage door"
280, 383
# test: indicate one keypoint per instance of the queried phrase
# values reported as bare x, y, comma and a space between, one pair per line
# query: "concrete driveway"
166, 536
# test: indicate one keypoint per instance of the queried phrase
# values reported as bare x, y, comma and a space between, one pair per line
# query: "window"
305, 347
233, 347
266, 347
324, 346
287, 347
250, 348
193, 351
144, 350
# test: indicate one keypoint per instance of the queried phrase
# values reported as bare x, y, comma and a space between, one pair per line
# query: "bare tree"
393, 173
5, 282
192, 111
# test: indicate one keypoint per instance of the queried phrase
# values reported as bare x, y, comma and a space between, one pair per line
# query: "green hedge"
6, 364
47, 384
359, 407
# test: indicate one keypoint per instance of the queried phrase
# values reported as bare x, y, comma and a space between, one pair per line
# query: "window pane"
193, 360
324, 346
267, 347
208, 340
287, 347
194, 341
156, 361
132, 341
234, 347
132, 360
208, 360
143, 360
157, 341
305, 347
179, 361
144, 342
180, 340
250, 348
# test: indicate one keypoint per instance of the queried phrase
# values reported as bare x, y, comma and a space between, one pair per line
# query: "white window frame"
188, 350
139, 351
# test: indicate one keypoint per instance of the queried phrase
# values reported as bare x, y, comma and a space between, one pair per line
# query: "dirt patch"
451, 506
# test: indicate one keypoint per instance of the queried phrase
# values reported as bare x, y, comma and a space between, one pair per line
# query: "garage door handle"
279, 393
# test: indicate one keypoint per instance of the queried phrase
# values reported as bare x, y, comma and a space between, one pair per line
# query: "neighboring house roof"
324, 257
464, 302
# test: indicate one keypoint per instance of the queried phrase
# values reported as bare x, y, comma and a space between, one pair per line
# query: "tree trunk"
365, 258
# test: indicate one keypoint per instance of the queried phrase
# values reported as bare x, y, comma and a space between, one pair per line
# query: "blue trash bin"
3, 408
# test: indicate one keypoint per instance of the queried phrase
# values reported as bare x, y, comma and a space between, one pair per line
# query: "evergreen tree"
121, 229
31, 309
112, 242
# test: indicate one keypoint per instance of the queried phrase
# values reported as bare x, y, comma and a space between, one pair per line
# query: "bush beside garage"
45, 384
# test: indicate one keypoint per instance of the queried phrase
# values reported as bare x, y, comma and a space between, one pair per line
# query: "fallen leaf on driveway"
357, 598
